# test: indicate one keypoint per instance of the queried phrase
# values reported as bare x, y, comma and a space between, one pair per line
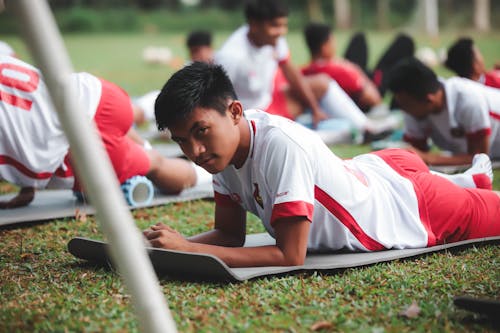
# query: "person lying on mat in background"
34, 151
465, 59
459, 115
257, 59
307, 198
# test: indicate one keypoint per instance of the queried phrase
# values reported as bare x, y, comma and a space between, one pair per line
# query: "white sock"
481, 165
337, 104
461, 179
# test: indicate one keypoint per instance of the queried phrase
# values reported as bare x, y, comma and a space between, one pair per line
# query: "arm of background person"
23, 198
298, 85
369, 96
475, 145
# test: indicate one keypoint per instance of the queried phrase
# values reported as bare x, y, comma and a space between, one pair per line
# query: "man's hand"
24, 197
163, 236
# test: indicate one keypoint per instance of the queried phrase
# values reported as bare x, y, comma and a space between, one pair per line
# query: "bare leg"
170, 175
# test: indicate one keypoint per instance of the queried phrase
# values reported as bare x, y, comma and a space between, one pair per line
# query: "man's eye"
202, 130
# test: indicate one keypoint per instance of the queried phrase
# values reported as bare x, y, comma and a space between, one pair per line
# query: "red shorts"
449, 213
114, 118
278, 104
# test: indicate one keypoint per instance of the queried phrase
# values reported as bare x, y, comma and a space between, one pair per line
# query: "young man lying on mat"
306, 196
34, 151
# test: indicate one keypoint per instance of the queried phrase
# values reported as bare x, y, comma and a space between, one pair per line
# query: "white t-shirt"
32, 142
359, 204
471, 109
252, 69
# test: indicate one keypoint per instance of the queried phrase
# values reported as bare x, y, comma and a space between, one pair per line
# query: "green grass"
44, 289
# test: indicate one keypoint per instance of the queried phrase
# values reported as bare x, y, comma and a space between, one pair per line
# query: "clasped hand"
163, 236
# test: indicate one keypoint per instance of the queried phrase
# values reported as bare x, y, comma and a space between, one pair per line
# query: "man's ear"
435, 98
236, 111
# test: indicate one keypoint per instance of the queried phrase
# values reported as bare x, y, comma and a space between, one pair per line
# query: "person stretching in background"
34, 150
465, 59
199, 45
351, 78
257, 59
459, 115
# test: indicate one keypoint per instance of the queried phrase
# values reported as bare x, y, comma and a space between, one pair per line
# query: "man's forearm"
217, 237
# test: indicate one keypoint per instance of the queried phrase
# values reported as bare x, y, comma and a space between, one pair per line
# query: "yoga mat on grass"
205, 267
55, 204
459, 168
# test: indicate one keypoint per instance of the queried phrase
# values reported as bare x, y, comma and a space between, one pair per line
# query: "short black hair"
199, 38
264, 10
411, 76
460, 57
196, 85
316, 34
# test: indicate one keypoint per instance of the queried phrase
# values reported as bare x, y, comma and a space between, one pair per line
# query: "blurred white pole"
482, 15
431, 17
342, 9
93, 165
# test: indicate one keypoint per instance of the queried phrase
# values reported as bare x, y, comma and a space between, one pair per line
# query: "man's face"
208, 138
268, 32
478, 62
419, 108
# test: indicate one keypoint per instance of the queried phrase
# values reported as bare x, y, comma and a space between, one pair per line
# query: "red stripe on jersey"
494, 115
254, 128
4, 159
284, 60
224, 200
65, 170
292, 208
479, 134
346, 219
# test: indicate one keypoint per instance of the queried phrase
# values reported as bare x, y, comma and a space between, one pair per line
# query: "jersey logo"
256, 195
235, 197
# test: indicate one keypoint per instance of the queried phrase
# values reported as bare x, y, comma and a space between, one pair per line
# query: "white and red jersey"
358, 204
252, 69
472, 110
32, 142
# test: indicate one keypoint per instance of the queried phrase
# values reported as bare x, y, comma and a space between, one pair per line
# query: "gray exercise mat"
204, 267
459, 168
55, 204
168, 149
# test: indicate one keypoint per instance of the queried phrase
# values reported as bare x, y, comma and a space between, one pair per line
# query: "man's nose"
197, 148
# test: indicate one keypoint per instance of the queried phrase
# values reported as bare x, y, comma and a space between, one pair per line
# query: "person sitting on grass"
465, 59
351, 78
34, 151
307, 198
257, 59
459, 115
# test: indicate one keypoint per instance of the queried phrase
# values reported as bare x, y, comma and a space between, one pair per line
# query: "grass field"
44, 289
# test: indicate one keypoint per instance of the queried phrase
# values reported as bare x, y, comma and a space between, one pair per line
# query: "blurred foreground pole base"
93, 166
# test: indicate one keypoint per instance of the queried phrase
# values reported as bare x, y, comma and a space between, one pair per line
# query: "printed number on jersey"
22, 81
